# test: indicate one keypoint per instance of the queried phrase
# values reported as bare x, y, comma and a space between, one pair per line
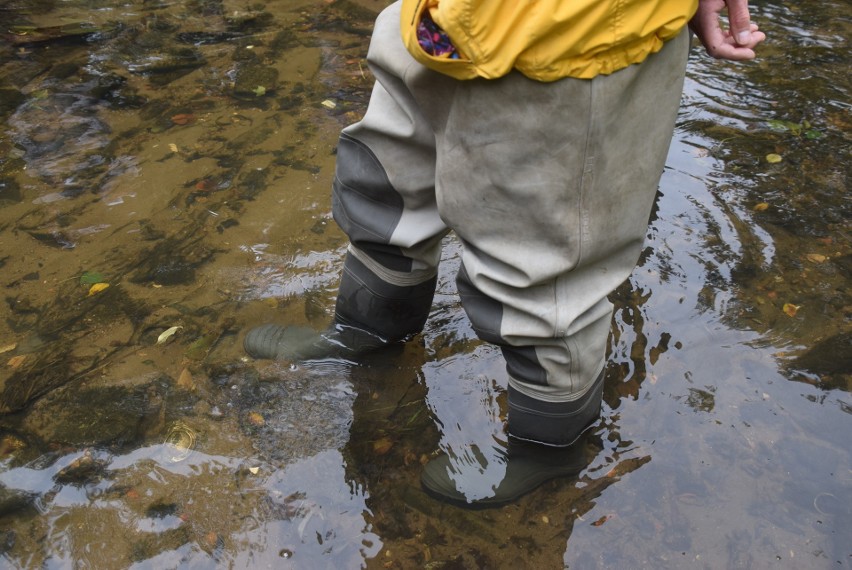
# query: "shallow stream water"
165, 173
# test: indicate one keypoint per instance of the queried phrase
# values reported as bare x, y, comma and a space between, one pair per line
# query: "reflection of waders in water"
548, 186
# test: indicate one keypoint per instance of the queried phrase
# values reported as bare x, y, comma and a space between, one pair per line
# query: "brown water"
182, 154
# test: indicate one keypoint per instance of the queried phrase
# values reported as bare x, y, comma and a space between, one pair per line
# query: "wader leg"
550, 187
384, 200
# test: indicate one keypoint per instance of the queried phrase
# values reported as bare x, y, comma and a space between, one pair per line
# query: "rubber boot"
547, 440
370, 314
465, 482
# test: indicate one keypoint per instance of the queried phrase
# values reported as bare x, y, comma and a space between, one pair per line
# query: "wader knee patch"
364, 203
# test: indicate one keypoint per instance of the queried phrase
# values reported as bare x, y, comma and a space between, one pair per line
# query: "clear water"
182, 153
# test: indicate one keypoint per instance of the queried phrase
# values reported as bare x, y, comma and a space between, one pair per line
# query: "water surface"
182, 154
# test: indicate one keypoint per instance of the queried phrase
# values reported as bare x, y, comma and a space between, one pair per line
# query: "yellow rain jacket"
545, 40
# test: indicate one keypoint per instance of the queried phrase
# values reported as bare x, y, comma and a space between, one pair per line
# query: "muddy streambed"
165, 176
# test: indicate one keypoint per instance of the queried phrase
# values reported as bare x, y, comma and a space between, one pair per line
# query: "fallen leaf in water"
167, 334
816, 257
329, 104
16, 361
761, 207
10, 444
91, 277
773, 158
8, 347
183, 118
256, 419
212, 539
205, 185
602, 520
254, 470
382, 445
790, 309
97, 288
173, 147
185, 380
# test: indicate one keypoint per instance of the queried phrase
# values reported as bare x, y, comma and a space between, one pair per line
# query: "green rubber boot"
472, 481
547, 440
303, 343
370, 314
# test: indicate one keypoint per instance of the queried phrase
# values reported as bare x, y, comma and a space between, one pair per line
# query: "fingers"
739, 21
736, 43
730, 47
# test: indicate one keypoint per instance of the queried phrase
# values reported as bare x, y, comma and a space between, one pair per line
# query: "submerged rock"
61, 135
112, 417
163, 67
81, 31
9, 100
828, 357
13, 500
10, 191
86, 469
255, 80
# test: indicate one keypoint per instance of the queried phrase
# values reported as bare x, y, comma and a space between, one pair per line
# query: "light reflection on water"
721, 447
304, 510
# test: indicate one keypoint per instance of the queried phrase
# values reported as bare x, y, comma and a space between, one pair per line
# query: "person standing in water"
537, 133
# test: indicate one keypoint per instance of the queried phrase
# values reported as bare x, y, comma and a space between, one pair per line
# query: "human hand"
738, 41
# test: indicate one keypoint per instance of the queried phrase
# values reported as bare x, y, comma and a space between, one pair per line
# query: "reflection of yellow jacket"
545, 39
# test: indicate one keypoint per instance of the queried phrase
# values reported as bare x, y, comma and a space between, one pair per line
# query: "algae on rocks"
255, 80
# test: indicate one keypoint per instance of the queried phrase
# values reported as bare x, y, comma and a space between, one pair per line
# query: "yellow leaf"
16, 361
256, 419
790, 309
173, 147
773, 158
761, 207
382, 445
8, 347
97, 288
816, 257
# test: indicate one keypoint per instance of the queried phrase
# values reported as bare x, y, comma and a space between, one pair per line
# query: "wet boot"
465, 481
370, 314
547, 440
